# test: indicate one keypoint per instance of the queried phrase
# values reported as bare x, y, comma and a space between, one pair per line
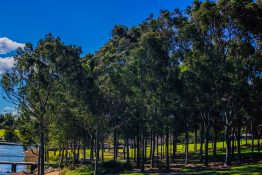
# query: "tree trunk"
66, 154
138, 151
186, 145
206, 143
157, 150
195, 139
84, 153
233, 143
134, 150
61, 158
239, 142
142, 167
102, 149
96, 149
174, 146
115, 145
145, 152
215, 142
42, 153
127, 150
92, 149
228, 144
167, 152
258, 144
201, 143
152, 151
161, 147
252, 143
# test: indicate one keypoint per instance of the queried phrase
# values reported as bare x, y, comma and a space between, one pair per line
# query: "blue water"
12, 153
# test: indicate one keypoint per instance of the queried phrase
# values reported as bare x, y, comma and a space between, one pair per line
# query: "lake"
12, 153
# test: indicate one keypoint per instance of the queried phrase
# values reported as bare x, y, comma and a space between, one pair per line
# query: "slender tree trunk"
115, 145
102, 149
84, 153
215, 142
138, 151
201, 143
134, 150
152, 151
233, 143
61, 158
246, 136
186, 145
239, 142
127, 151
157, 150
66, 154
97, 149
161, 147
174, 146
167, 152
92, 149
252, 143
195, 139
42, 153
145, 159
258, 144
39, 160
74, 153
151, 143
206, 143
142, 167
228, 143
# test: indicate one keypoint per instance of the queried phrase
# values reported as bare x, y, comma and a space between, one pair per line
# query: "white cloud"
7, 45
6, 64
8, 108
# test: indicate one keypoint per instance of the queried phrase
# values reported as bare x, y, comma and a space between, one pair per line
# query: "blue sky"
86, 23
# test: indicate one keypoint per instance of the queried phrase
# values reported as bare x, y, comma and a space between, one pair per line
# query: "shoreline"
10, 143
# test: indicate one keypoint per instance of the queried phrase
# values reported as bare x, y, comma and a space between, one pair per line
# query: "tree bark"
215, 142
61, 158
174, 146
228, 144
96, 149
142, 167
201, 143
239, 142
206, 143
42, 153
186, 145
233, 143
152, 151
167, 146
115, 145
252, 144
195, 139
138, 151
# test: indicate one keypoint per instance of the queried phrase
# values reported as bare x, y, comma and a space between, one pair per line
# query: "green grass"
2, 133
255, 169
180, 150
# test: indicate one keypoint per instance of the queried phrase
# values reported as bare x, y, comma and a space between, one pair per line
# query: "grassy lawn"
216, 165
108, 154
255, 169
2, 133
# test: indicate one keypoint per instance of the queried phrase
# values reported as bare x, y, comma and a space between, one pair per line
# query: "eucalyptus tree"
33, 82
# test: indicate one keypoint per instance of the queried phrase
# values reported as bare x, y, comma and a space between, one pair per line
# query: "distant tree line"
192, 71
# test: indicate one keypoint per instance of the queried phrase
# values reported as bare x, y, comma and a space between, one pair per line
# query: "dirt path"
53, 173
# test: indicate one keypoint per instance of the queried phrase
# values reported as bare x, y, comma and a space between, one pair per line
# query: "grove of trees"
194, 73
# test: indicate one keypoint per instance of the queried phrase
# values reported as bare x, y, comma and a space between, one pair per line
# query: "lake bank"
11, 153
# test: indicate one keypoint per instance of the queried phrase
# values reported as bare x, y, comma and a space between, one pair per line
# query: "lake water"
11, 153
